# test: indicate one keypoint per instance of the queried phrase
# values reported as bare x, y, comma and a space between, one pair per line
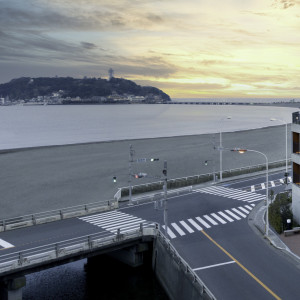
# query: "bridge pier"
11, 289
133, 256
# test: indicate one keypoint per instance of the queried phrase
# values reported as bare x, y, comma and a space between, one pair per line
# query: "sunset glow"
228, 48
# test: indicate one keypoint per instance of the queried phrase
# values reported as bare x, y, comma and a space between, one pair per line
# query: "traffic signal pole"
131, 153
165, 172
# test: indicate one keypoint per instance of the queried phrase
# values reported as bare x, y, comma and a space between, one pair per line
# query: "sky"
187, 48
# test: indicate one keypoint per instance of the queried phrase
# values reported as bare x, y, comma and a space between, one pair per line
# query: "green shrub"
279, 212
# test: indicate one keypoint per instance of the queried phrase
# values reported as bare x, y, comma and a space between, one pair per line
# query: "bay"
31, 126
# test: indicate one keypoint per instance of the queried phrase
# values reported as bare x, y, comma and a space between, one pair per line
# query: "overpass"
127, 243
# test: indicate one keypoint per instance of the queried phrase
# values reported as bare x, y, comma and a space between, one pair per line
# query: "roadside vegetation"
280, 211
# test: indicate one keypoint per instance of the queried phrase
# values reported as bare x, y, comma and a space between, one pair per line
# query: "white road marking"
225, 216
216, 265
249, 207
240, 213
232, 214
5, 244
281, 180
195, 224
218, 218
203, 222
170, 232
210, 220
243, 209
178, 229
186, 226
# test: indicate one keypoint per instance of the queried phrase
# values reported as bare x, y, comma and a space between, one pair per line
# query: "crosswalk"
181, 228
114, 220
272, 183
5, 244
235, 194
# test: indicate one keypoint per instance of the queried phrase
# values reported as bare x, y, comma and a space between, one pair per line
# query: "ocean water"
30, 126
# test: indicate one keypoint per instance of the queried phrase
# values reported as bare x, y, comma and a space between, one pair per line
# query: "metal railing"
182, 263
44, 254
196, 179
55, 215
13, 262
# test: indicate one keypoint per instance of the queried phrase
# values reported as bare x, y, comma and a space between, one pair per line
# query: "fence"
196, 179
55, 215
46, 253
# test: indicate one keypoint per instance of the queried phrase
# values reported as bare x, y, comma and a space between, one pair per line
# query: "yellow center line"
243, 267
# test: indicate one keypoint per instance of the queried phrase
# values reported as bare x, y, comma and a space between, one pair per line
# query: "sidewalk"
289, 244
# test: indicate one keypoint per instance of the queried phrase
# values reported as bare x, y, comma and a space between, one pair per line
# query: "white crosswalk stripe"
203, 222
218, 218
195, 224
170, 232
235, 194
114, 220
208, 218
182, 228
187, 227
178, 229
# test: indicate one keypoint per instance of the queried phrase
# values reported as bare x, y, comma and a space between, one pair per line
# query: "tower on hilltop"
110, 73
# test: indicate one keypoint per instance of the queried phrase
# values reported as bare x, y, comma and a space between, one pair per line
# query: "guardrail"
55, 215
13, 262
182, 263
43, 254
196, 179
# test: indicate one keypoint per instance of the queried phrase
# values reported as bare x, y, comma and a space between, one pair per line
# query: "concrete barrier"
176, 277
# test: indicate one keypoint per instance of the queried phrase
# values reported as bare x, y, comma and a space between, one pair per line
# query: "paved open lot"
41, 179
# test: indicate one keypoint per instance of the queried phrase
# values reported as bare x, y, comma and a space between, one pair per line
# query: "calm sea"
28, 126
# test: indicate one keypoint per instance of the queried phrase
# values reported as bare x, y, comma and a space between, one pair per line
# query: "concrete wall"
174, 275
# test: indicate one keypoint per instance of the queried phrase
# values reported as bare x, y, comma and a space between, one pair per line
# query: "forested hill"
27, 88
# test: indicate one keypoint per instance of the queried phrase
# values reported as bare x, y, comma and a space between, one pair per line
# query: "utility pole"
165, 172
131, 153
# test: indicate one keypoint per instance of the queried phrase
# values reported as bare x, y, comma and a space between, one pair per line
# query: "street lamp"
241, 151
221, 146
286, 146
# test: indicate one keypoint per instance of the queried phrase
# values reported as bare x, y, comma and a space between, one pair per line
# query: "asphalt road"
230, 257
47, 178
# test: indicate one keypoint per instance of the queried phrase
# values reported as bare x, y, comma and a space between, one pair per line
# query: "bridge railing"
184, 265
55, 215
12, 262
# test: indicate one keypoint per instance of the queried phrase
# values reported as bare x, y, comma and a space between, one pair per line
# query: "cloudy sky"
188, 48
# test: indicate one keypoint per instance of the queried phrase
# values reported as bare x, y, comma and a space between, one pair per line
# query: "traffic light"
114, 179
206, 162
165, 172
154, 159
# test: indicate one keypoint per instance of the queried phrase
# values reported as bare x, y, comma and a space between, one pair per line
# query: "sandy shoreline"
46, 178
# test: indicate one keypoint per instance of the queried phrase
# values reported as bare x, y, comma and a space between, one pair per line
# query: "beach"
47, 178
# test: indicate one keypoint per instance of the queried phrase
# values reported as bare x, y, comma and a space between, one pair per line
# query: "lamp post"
241, 151
221, 146
286, 146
